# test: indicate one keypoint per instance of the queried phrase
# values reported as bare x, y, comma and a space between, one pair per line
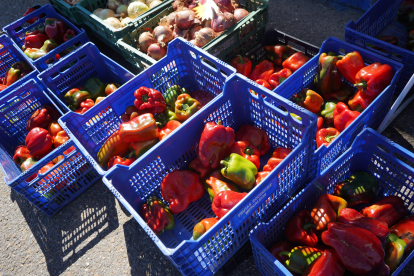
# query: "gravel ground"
95, 235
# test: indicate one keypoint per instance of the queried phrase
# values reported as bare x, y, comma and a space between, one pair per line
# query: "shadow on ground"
68, 235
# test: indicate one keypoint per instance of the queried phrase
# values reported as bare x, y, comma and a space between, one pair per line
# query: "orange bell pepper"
168, 128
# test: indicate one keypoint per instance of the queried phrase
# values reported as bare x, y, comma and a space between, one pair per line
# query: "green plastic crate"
68, 11
103, 31
219, 47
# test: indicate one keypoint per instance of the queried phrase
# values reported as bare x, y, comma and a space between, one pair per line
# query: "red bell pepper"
35, 40
389, 209
38, 141
343, 117
301, 229
130, 113
2, 86
215, 142
373, 79
260, 176
55, 29
295, 61
277, 157
243, 65
39, 118
375, 226
21, 154
85, 105
255, 136
46, 167
113, 146
203, 226
248, 151
203, 97
404, 230
279, 247
199, 168
225, 201
262, 71
149, 100
350, 65
277, 78
126, 161
357, 249
263, 83
168, 128
70, 33
360, 101
327, 264
309, 99
319, 123
278, 53
215, 183
157, 215
328, 77
139, 129
28, 11
325, 136
341, 95
326, 210
180, 188
60, 138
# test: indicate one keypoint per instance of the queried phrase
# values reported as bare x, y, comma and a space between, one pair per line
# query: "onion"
179, 3
114, 22
227, 5
193, 41
193, 30
125, 21
135, 9
222, 21
177, 32
168, 20
156, 51
113, 4
104, 13
145, 40
206, 24
154, 3
122, 10
142, 1
148, 2
162, 35
185, 19
204, 36
239, 14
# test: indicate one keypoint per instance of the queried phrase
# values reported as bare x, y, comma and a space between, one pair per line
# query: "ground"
95, 235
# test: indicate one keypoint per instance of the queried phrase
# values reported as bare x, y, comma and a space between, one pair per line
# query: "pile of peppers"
152, 118
45, 37
333, 237
405, 16
226, 167
44, 134
336, 102
281, 62
17, 71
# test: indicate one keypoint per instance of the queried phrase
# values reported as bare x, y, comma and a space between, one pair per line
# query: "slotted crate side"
68, 11
381, 20
75, 69
236, 35
370, 152
370, 117
9, 54
234, 107
184, 65
69, 177
17, 32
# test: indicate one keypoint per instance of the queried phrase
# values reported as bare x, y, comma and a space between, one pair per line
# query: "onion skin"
222, 21
177, 32
185, 19
179, 3
168, 20
145, 40
193, 30
162, 35
104, 13
156, 51
239, 14
204, 36
114, 22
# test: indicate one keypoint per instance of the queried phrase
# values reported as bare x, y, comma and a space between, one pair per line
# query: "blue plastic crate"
234, 107
370, 117
379, 20
390, 163
75, 69
17, 32
64, 181
185, 65
9, 54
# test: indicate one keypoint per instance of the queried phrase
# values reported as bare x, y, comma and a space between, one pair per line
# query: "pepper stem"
308, 226
185, 106
281, 80
362, 84
224, 163
248, 151
240, 61
329, 138
284, 253
145, 98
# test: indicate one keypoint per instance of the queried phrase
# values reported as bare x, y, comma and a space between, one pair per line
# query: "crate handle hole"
33, 18
223, 73
404, 160
209, 63
18, 29
383, 148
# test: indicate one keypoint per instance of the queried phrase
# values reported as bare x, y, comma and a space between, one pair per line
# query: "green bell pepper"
75, 96
139, 148
164, 117
48, 46
95, 87
328, 77
327, 113
172, 94
301, 257
239, 170
394, 251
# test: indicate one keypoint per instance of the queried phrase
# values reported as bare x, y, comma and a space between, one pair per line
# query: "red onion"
145, 40
156, 51
179, 3
239, 14
227, 5
193, 30
168, 20
162, 35
177, 32
204, 36
222, 21
206, 24
185, 19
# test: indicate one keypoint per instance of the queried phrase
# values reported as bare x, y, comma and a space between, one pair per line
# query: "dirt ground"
95, 235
